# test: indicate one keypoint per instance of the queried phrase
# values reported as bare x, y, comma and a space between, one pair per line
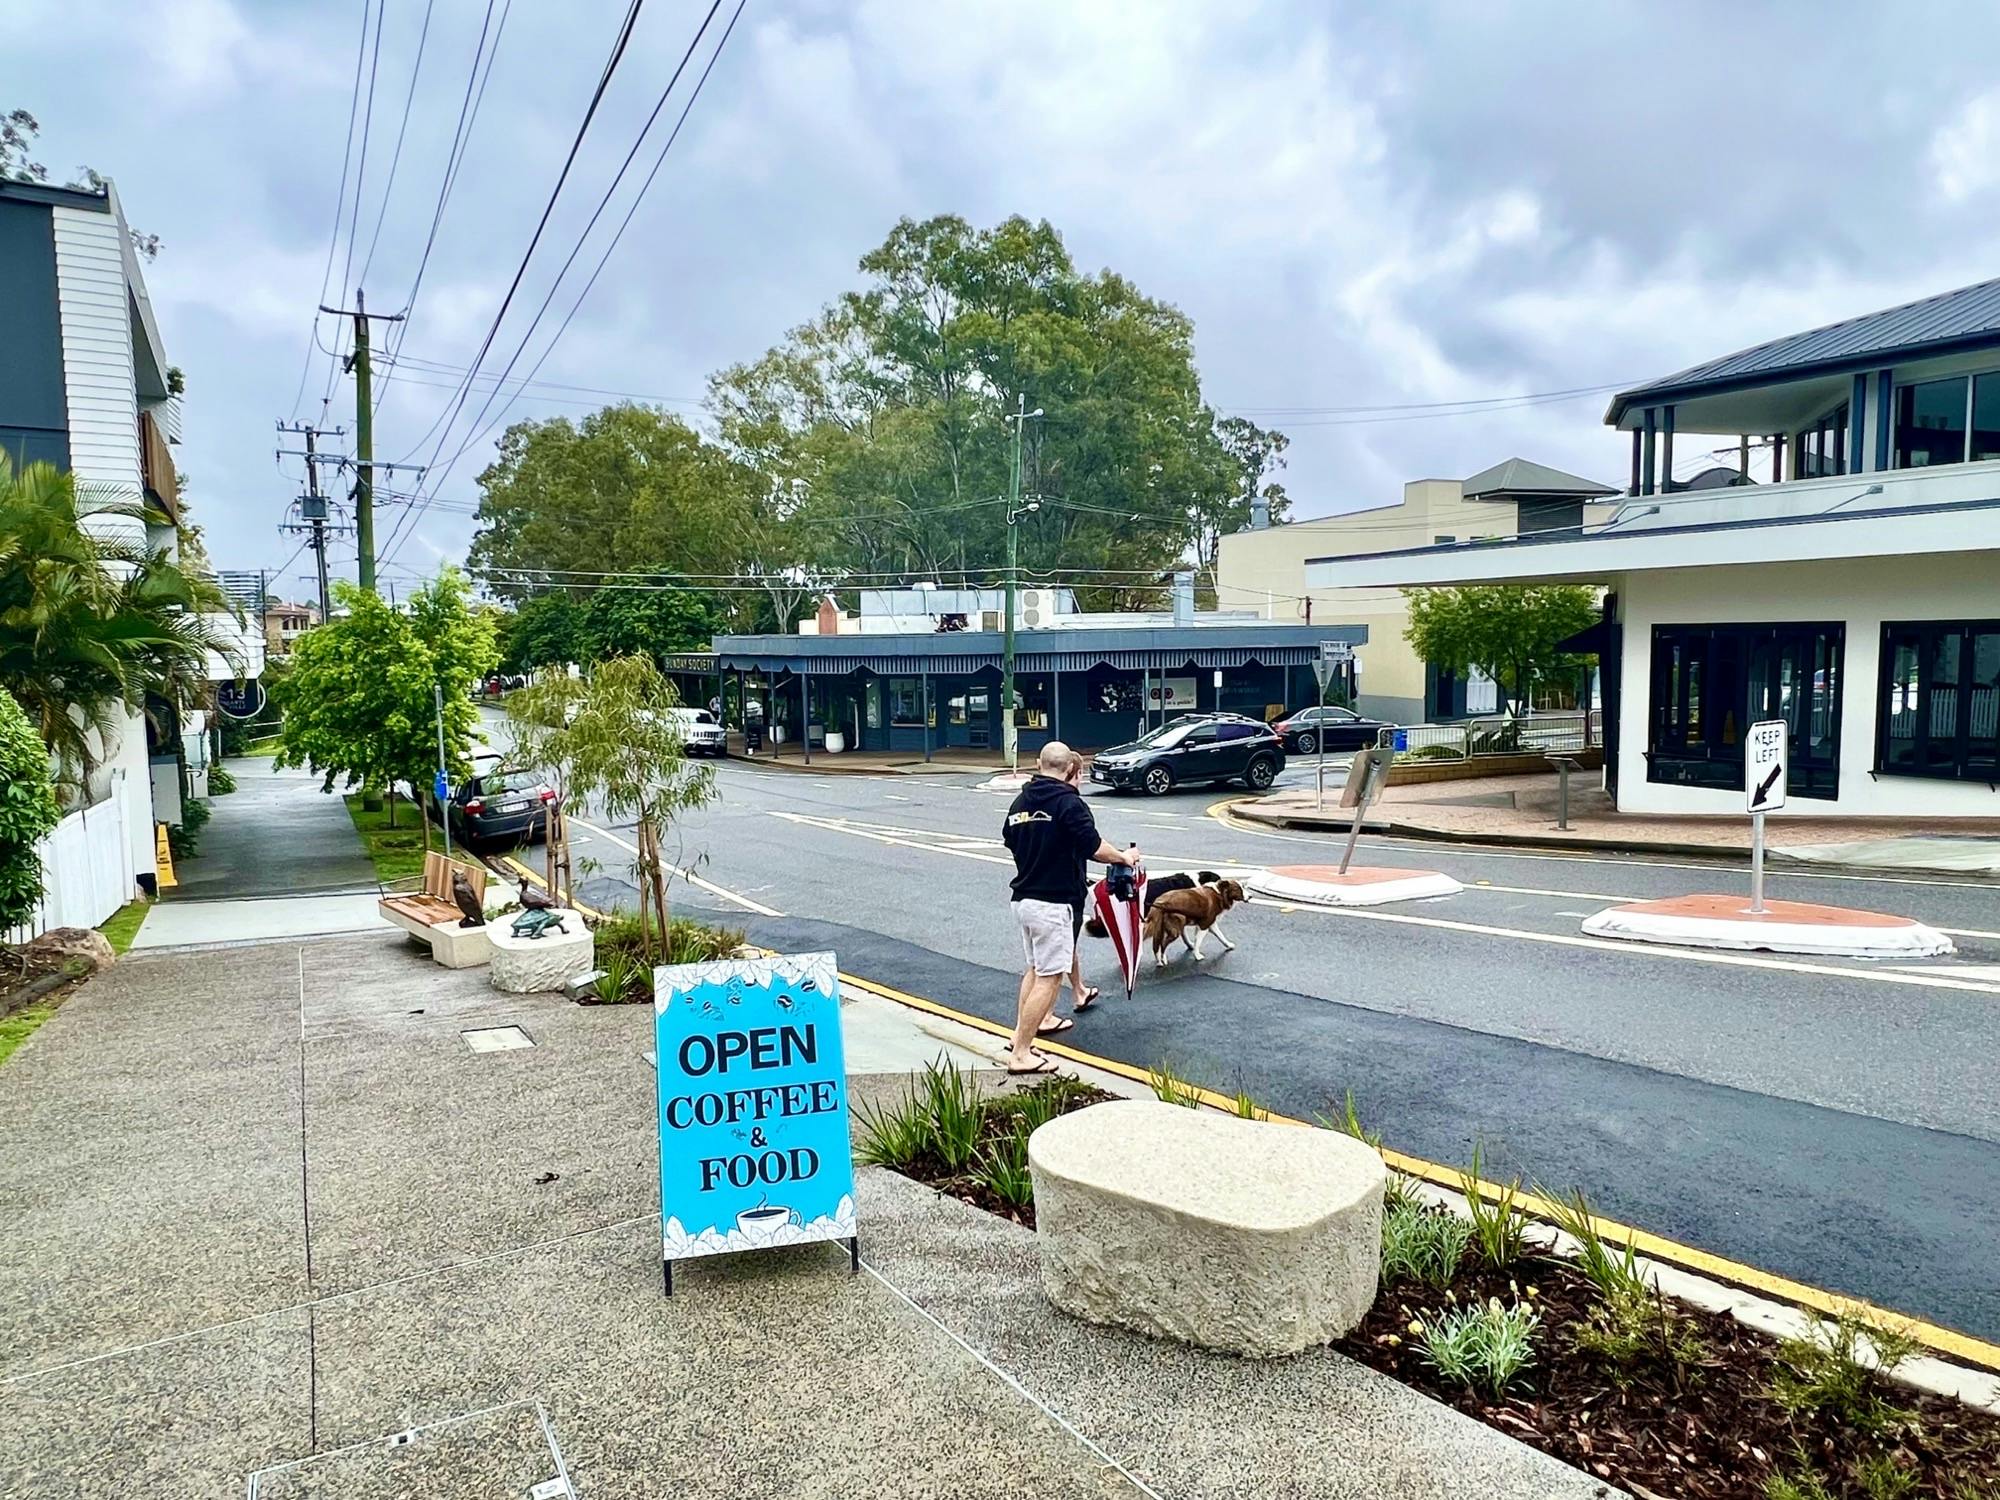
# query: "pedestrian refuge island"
1243, 1236
429, 913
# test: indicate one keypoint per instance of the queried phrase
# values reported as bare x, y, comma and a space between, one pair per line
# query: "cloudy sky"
1360, 205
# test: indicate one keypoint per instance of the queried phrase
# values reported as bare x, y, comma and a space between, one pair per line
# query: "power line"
1322, 411
361, 171
456, 405
693, 45
339, 205
396, 157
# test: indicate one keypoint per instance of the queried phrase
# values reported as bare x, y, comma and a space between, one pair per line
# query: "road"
1834, 1122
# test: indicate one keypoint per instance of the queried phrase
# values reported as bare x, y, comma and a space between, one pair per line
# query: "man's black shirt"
1051, 834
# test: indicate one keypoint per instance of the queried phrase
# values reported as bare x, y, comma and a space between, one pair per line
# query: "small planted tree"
1508, 631
613, 737
28, 810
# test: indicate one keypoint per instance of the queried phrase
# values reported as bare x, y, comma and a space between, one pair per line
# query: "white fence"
87, 869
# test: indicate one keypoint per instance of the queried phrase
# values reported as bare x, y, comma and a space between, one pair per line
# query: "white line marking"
1931, 980
892, 797
688, 875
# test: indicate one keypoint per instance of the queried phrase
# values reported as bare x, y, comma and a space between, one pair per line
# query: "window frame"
1971, 379
1814, 777
1928, 633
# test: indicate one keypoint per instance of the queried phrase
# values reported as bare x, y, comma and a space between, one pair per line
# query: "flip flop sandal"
1088, 998
1057, 1027
1042, 1065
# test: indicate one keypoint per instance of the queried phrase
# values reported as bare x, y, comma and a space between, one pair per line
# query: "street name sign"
753, 1116
1332, 654
1764, 765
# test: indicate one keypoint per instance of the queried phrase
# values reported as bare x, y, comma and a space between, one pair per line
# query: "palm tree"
91, 624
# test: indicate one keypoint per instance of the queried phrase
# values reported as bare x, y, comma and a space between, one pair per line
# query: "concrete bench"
1237, 1235
430, 914
537, 965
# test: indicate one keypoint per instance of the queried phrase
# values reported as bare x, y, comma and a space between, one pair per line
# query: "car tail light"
1283, 726
475, 805
547, 795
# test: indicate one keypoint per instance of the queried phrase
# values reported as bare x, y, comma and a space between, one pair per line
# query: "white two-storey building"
1855, 593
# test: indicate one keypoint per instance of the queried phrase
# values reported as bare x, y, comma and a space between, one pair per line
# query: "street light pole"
1010, 739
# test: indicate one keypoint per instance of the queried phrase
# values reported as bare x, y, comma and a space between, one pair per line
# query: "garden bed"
1581, 1357
625, 971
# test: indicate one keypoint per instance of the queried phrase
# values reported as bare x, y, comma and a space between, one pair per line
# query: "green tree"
610, 735
358, 700
1255, 452
28, 810
545, 630
1508, 631
92, 623
649, 620
880, 427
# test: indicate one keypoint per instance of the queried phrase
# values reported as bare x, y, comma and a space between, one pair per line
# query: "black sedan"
500, 806
1339, 728
1210, 748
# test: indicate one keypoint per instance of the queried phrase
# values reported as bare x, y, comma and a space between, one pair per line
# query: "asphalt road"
1834, 1122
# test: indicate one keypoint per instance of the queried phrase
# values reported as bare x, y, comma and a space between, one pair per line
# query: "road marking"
688, 875
1931, 979
1220, 812
892, 797
1947, 1341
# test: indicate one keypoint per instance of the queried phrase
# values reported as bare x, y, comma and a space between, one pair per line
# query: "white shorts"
1048, 935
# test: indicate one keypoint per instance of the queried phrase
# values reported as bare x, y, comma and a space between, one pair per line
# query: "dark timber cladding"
34, 411
1090, 687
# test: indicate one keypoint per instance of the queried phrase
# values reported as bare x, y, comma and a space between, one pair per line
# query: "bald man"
1051, 834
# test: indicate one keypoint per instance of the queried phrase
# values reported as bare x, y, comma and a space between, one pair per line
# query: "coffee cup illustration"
765, 1218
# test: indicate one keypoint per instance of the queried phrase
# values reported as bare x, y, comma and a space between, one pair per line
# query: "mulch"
997, 1126
1706, 1431
29, 978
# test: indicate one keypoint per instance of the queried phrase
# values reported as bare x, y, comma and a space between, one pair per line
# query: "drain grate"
497, 1039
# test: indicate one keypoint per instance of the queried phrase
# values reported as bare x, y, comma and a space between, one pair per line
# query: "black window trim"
1959, 770
1835, 629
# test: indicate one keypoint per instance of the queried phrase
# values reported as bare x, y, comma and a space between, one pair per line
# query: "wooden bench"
429, 912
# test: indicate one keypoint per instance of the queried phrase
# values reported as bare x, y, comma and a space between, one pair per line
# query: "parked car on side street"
1195, 748
1340, 728
701, 732
496, 805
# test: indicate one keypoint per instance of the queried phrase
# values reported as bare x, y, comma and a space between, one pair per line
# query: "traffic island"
1713, 921
1358, 885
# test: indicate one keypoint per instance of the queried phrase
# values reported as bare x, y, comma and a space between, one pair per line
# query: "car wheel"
1159, 781
1263, 771
1308, 742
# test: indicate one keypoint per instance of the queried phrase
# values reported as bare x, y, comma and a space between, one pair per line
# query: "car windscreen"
1166, 736
497, 783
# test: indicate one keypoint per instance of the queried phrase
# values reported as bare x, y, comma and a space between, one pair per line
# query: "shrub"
1614, 1275
1827, 1371
1629, 1326
1247, 1108
1002, 1168
1499, 1228
953, 1113
1484, 1347
619, 977
1885, 1477
1032, 1108
1170, 1089
1398, 1191
688, 942
184, 837
1422, 1244
28, 810
892, 1134
1432, 752
220, 782
1802, 1483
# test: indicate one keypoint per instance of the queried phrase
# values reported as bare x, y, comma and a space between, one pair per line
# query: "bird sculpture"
534, 900
468, 901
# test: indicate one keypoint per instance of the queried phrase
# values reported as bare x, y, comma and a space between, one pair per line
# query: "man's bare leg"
1038, 998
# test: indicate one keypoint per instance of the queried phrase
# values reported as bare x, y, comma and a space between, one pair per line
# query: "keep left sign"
754, 1144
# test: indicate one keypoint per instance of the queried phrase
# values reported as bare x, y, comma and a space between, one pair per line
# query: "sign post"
1765, 772
442, 786
754, 1145
1332, 656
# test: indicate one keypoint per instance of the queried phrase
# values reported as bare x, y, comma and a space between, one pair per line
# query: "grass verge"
262, 749
21, 1025
397, 853
123, 924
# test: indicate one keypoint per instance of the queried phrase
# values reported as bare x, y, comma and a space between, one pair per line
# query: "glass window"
1985, 418
1939, 713
1235, 731
1930, 423
906, 701
1711, 682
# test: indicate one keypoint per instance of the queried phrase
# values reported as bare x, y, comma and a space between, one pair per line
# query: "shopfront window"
906, 702
1985, 418
1930, 423
1033, 712
1939, 709
1712, 682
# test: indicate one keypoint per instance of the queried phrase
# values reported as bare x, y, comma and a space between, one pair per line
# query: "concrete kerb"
1711, 921
1359, 885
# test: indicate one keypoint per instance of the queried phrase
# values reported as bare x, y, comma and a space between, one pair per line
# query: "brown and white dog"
1156, 887
1190, 916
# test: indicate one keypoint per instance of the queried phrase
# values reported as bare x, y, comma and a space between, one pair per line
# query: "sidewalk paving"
1523, 810
279, 858
791, 757
266, 1204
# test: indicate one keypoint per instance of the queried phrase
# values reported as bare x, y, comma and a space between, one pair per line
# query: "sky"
1359, 205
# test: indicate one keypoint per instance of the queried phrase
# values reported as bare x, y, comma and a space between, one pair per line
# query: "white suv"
700, 732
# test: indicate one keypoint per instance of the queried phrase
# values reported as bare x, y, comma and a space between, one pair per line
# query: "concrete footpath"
279, 858
266, 1207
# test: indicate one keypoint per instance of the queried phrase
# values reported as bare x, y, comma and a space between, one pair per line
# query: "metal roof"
961, 652
1518, 476
1969, 316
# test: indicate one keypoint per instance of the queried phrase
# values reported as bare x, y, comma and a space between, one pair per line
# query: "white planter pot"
835, 743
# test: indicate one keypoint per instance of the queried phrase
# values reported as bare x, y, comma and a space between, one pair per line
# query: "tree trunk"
392, 804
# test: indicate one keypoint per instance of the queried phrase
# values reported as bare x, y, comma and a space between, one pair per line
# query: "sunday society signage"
754, 1144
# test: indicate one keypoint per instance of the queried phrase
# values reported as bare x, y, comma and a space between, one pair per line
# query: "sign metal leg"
854, 1256
1756, 864
667, 1277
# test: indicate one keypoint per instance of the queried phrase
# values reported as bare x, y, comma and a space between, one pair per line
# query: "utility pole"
1010, 738
364, 434
313, 505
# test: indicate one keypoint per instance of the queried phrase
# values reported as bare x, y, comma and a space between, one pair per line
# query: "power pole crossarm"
364, 437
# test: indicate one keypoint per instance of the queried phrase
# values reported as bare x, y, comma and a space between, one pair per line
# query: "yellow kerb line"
1941, 1340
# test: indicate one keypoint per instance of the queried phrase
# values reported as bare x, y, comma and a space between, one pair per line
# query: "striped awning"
962, 665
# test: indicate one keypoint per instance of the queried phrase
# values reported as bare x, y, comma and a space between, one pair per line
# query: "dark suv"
500, 805
1197, 748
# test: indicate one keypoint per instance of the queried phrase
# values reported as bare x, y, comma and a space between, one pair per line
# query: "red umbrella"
1119, 912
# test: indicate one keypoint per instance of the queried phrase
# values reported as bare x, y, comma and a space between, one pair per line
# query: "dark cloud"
1358, 205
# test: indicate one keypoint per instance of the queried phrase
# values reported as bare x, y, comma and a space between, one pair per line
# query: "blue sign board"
443, 788
754, 1144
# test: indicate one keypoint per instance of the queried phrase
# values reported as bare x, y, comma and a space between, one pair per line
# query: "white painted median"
1360, 885
1712, 921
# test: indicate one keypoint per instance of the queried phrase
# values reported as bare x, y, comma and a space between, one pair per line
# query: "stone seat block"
1243, 1236
531, 966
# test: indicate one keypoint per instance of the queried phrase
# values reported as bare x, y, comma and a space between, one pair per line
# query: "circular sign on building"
240, 700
